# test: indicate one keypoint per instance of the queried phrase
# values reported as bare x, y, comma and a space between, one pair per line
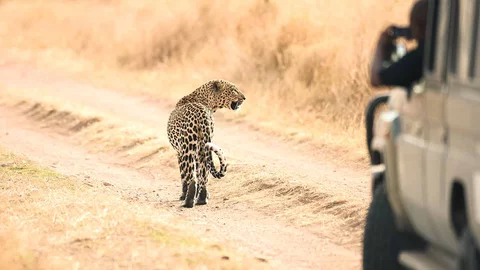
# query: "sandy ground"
284, 201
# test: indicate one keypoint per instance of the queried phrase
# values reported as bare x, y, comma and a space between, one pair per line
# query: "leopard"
190, 131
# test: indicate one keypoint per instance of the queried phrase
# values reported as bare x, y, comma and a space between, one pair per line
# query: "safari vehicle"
425, 154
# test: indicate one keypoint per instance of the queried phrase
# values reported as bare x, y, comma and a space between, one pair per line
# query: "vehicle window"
432, 35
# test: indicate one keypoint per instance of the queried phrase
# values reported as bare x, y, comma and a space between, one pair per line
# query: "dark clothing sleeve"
405, 71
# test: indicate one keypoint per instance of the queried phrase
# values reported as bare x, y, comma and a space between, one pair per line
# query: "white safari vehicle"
425, 154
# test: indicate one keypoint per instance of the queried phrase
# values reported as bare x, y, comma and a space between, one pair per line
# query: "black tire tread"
382, 241
469, 258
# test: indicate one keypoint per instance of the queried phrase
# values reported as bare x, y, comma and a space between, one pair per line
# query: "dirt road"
283, 201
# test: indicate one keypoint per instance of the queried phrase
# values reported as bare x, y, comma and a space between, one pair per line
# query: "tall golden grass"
305, 62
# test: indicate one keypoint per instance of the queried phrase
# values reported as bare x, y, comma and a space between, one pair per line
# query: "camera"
396, 32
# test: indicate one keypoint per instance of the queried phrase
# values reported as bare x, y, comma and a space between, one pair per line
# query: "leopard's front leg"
203, 195
202, 174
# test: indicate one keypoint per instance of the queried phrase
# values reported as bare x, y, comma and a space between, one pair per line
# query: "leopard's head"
223, 94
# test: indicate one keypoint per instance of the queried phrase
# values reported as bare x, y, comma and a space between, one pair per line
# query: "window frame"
436, 41
474, 65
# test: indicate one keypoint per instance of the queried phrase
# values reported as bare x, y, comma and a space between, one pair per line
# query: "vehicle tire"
469, 256
371, 109
382, 241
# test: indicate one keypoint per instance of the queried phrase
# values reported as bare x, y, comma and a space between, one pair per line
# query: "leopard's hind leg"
188, 172
181, 165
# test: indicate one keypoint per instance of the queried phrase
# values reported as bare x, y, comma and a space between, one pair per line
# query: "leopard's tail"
210, 147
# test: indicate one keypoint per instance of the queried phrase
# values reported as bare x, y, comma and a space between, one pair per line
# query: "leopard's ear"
217, 86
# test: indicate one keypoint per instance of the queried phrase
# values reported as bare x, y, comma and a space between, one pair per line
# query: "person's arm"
405, 71
376, 66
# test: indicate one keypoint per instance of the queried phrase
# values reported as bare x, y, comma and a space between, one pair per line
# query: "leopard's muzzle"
236, 104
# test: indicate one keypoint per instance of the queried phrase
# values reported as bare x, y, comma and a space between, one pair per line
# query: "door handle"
418, 88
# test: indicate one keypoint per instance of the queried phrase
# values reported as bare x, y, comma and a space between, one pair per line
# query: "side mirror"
419, 88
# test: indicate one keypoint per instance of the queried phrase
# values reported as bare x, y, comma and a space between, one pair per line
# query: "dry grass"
53, 222
304, 62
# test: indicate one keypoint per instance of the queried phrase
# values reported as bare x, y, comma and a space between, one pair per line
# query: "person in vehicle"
408, 69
